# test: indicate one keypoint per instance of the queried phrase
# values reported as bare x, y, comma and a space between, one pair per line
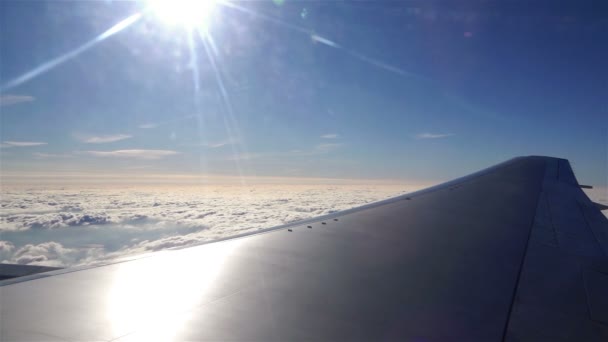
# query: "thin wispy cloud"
222, 143
319, 149
135, 154
248, 156
149, 125
22, 143
103, 139
8, 100
433, 135
324, 148
216, 144
330, 136
51, 155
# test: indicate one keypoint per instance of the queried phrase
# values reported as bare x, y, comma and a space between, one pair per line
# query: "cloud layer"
63, 227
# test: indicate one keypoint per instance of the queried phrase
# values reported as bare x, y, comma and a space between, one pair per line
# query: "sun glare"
183, 12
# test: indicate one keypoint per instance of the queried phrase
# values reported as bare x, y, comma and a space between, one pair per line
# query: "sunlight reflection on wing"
154, 296
46, 66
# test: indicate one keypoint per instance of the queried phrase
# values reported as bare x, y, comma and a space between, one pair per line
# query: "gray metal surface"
563, 290
8, 271
469, 260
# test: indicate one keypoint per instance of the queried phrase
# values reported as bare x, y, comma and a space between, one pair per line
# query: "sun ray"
327, 42
199, 117
47, 66
265, 17
229, 121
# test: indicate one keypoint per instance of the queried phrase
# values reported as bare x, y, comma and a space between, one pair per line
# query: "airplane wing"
513, 252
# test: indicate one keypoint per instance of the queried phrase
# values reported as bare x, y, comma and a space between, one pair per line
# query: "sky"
335, 90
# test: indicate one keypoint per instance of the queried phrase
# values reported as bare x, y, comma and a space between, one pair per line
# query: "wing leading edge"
514, 252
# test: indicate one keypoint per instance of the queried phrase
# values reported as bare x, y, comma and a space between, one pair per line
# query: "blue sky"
382, 90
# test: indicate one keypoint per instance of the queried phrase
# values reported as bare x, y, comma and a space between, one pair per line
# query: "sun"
189, 13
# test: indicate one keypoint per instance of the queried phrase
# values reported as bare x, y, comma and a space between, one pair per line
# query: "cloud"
52, 155
214, 144
61, 220
71, 226
102, 139
222, 143
248, 156
326, 148
310, 151
330, 136
217, 144
38, 254
168, 242
148, 125
7, 100
50, 253
6, 248
135, 154
22, 143
433, 135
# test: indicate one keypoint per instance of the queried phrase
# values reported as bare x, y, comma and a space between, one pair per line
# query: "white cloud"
248, 156
6, 248
318, 149
51, 253
149, 125
433, 135
71, 226
102, 139
221, 143
325, 148
217, 144
22, 143
51, 155
330, 136
214, 144
38, 254
7, 100
135, 154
